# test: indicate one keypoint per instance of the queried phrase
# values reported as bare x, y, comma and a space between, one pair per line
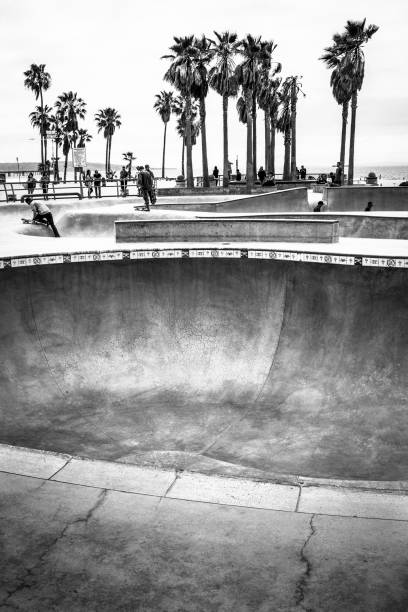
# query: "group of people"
144, 178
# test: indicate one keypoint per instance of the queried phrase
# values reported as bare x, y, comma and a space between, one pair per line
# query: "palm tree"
199, 91
164, 105
268, 101
129, 157
222, 79
183, 74
179, 109
71, 108
108, 119
38, 80
341, 88
348, 47
284, 124
295, 89
247, 76
41, 118
56, 124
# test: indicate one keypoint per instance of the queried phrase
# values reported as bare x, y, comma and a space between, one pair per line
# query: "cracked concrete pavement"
70, 547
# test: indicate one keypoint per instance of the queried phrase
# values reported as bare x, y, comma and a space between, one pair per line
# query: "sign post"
79, 163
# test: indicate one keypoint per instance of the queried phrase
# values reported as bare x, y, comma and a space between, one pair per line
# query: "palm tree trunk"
343, 139
352, 137
225, 177
272, 158
206, 180
183, 146
286, 164
42, 130
249, 160
164, 147
65, 167
254, 140
190, 177
267, 142
293, 100
106, 155
109, 152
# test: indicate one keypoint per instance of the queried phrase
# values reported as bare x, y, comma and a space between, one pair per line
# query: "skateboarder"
42, 214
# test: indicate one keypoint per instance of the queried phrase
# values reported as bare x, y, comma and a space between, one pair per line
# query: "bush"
180, 178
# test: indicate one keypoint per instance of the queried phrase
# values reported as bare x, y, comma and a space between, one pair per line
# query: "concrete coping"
304, 495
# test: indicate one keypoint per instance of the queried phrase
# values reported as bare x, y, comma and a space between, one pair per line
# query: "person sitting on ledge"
239, 176
368, 207
42, 214
319, 206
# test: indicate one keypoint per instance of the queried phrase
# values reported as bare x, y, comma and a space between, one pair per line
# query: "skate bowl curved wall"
356, 198
283, 367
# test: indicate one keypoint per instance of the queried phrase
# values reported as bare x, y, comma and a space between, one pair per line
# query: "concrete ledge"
328, 498
116, 476
356, 197
235, 492
30, 462
272, 230
362, 504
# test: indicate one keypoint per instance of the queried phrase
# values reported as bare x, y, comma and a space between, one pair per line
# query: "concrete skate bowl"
237, 366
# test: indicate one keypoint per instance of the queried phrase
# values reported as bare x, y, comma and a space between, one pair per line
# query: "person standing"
97, 177
44, 184
145, 184
150, 171
302, 172
216, 174
31, 183
123, 181
42, 214
88, 182
261, 175
338, 178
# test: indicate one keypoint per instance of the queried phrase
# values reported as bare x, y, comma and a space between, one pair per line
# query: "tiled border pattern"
164, 253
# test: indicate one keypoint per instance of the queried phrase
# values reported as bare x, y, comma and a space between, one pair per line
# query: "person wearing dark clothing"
319, 206
44, 184
31, 183
302, 172
146, 186
339, 174
97, 177
216, 174
88, 183
123, 181
239, 176
368, 207
261, 175
42, 214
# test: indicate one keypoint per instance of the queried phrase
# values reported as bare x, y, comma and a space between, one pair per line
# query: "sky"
109, 52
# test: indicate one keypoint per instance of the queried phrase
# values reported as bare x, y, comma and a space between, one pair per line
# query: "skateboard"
31, 222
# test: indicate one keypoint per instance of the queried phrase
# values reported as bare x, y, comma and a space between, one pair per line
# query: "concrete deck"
85, 535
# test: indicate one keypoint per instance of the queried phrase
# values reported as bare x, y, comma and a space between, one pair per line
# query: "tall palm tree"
108, 119
247, 76
222, 79
268, 101
129, 157
163, 105
183, 74
56, 123
71, 108
41, 119
199, 91
342, 91
284, 124
179, 109
264, 64
348, 47
295, 89
38, 80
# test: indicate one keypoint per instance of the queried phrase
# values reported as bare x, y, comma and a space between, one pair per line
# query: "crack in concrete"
302, 582
169, 488
25, 581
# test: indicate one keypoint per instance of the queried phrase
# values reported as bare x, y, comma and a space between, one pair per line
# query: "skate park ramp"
227, 366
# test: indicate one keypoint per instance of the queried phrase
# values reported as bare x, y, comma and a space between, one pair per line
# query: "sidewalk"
92, 535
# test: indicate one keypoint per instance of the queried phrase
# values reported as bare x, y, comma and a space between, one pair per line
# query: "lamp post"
18, 169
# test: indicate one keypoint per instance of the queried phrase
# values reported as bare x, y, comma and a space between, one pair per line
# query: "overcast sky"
109, 53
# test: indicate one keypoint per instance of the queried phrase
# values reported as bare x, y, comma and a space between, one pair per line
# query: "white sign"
79, 157
50, 135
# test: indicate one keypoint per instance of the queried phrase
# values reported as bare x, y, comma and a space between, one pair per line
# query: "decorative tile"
67, 258
343, 260
230, 253
55, 259
358, 261
202, 252
1, 264
141, 254
258, 254
170, 253
185, 253
244, 253
111, 256
78, 257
